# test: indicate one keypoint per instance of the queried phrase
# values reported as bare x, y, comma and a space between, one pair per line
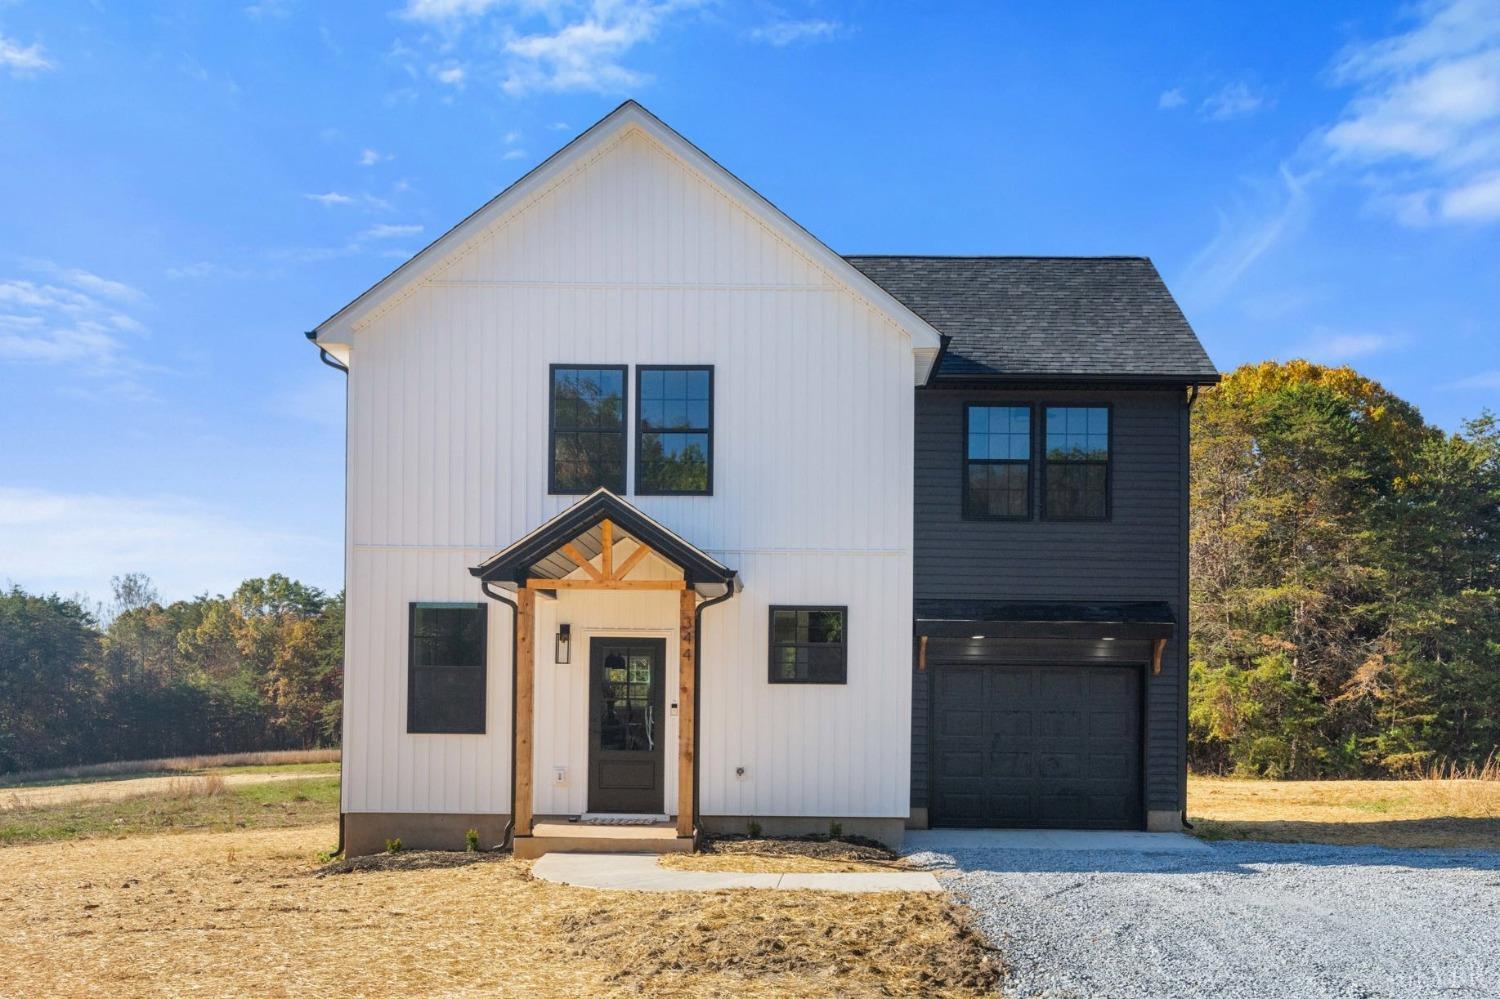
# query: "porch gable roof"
540, 554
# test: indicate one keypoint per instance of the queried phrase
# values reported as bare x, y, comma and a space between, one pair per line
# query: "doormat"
602, 819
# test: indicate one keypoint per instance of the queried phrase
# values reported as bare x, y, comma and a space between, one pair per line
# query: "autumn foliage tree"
1345, 571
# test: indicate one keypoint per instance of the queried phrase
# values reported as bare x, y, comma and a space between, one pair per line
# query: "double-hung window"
809, 645
445, 668
587, 419
1076, 472
675, 430
997, 462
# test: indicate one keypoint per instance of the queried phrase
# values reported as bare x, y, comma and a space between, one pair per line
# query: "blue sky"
185, 188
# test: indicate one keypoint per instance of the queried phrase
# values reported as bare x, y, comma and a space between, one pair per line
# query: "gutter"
729, 591
1187, 407
515, 645
333, 362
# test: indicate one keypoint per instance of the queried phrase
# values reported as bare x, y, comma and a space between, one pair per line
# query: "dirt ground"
118, 790
1458, 814
242, 913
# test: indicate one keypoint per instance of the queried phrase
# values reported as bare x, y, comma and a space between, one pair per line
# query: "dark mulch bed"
822, 847
407, 860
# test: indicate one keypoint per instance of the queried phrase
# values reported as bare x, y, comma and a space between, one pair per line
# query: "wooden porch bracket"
525, 667
1158, 645
687, 686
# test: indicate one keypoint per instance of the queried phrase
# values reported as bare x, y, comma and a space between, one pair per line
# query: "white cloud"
74, 542
390, 231
1424, 121
785, 32
514, 154
447, 10
1170, 99
331, 198
1481, 380
559, 126
24, 60
1476, 201
1233, 100
1333, 347
201, 269
370, 157
453, 76
76, 319
1268, 215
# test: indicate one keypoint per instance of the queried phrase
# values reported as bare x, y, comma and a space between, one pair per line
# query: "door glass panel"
628, 720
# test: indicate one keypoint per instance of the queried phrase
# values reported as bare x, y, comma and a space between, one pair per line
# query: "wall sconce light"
564, 644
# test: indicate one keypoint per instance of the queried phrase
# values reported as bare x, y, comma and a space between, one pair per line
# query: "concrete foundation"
366, 832
1164, 820
887, 831
917, 819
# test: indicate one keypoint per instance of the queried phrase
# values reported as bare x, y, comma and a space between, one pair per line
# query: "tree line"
1345, 580
259, 669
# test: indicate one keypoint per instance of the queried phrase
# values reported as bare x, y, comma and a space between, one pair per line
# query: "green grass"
250, 806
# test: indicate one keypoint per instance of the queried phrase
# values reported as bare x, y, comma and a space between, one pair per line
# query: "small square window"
809, 645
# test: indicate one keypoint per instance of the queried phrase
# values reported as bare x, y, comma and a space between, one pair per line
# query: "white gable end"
629, 204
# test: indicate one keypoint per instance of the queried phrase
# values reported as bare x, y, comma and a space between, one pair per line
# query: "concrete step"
576, 837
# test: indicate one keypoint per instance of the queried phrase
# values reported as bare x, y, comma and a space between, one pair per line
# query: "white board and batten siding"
632, 256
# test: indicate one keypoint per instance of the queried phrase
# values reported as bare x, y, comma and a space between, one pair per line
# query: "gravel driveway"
1240, 920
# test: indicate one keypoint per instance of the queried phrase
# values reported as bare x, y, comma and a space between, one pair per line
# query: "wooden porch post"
687, 685
525, 667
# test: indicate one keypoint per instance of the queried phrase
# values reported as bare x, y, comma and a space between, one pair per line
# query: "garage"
1052, 746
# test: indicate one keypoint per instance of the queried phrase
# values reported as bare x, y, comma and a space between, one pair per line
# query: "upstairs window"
445, 668
675, 431
809, 645
1076, 473
587, 405
997, 462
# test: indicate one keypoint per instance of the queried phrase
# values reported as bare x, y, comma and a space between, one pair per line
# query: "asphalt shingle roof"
1110, 317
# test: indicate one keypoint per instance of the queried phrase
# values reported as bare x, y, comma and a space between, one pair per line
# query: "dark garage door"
1054, 746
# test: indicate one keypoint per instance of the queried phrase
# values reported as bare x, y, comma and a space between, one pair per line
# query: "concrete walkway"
947, 840
640, 872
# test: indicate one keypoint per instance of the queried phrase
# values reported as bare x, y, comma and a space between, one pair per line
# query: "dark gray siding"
1138, 554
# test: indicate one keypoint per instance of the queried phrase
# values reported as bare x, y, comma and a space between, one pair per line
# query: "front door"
627, 725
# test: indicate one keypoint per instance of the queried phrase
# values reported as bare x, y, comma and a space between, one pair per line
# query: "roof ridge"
994, 256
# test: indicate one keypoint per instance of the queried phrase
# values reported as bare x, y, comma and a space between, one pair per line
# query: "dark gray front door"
626, 724
1044, 746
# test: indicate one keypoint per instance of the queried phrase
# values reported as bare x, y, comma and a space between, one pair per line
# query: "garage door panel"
1067, 684
1011, 724
961, 765
1060, 745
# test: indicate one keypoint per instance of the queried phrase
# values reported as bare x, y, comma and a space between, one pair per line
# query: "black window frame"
968, 511
1108, 462
773, 645
412, 668
641, 431
552, 370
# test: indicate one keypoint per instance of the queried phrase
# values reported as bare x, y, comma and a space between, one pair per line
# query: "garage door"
1041, 746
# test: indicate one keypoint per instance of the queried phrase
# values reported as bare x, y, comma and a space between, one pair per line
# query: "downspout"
698, 690
1187, 510
333, 362
515, 642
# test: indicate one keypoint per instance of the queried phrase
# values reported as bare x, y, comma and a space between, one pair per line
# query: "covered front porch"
608, 606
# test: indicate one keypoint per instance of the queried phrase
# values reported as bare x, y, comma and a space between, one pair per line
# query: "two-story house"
663, 517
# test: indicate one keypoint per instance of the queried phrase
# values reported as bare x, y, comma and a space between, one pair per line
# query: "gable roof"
1069, 318
537, 554
336, 328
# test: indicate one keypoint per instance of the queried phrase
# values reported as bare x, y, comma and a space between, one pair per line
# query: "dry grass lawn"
240, 913
1461, 814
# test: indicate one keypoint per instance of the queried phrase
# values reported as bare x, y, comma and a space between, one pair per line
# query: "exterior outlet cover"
559, 775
